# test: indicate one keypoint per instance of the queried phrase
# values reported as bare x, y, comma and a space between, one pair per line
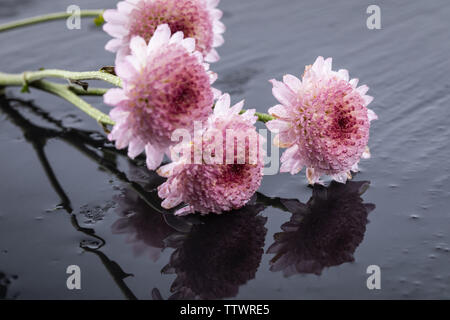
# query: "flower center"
343, 122
233, 172
236, 169
184, 98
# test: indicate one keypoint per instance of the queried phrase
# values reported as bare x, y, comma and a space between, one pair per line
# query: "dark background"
406, 66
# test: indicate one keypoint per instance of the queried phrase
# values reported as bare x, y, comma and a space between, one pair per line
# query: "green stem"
66, 92
264, 117
48, 17
69, 75
63, 92
8, 79
28, 77
87, 92
17, 80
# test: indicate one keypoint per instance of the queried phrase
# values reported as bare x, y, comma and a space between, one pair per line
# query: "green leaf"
109, 69
80, 83
99, 21
25, 88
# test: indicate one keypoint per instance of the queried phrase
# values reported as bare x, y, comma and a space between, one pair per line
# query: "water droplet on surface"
91, 244
440, 247
58, 207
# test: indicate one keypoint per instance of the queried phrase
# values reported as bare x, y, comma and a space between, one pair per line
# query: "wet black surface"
66, 196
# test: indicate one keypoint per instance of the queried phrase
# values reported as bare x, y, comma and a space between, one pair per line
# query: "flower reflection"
215, 255
218, 255
145, 228
5, 282
324, 232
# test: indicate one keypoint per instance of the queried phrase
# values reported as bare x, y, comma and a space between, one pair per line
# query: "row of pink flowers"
163, 47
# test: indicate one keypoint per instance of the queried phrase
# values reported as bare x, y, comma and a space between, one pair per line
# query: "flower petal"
222, 105
218, 40
372, 115
343, 74
218, 27
154, 156
115, 17
237, 107
139, 50
278, 125
184, 211
292, 82
171, 202
367, 99
125, 7
212, 56
124, 69
341, 177
279, 111
313, 176
160, 37
166, 170
354, 83
188, 44
114, 96
282, 93
177, 37
366, 153
362, 90
289, 153
113, 45
115, 30
135, 147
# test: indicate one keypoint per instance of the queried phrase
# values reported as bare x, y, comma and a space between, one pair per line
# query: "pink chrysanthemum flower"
166, 86
324, 122
230, 167
198, 19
